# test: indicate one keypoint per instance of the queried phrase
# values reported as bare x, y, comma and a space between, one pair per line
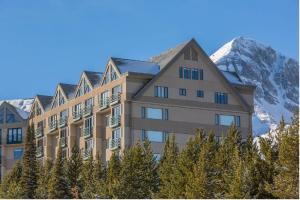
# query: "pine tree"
43, 179
286, 181
29, 176
188, 158
201, 181
74, 165
169, 174
113, 176
100, 178
88, 179
10, 185
58, 187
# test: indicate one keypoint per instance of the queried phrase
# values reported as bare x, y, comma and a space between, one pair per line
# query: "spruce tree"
74, 167
100, 178
169, 174
88, 179
10, 185
29, 176
43, 179
58, 187
112, 176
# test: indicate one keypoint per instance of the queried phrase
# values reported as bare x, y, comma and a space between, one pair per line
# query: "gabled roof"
93, 77
138, 66
21, 114
68, 89
166, 59
45, 101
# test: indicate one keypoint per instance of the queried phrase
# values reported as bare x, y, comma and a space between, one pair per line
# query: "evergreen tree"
29, 176
58, 186
88, 179
43, 179
286, 181
138, 178
100, 178
112, 176
74, 167
169, 174
10, 185
201, 179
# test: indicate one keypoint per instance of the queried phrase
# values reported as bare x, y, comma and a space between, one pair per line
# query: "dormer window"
190, 54
59, 99
83, 88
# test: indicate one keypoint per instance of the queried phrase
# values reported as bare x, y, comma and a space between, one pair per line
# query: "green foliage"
74, 167
29, 176
58, 187
112, 176
44, 176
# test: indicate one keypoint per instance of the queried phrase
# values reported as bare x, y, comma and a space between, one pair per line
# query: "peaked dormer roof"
68, 89
45, 101
93, 77
138, 66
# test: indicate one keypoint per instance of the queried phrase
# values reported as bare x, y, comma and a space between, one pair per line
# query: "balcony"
86, 153
114, 144
39, 151
115, 98
87, 132
104, 103
63, 142
62, 122
77, 115
87, 111
114, 121
39, 132
52, 126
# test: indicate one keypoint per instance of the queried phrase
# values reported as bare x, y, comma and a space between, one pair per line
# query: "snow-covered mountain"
23, 106
275, 75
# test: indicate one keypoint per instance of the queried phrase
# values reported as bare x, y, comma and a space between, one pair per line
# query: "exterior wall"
7, 150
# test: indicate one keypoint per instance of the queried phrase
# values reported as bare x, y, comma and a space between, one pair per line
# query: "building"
173, 93
13, 126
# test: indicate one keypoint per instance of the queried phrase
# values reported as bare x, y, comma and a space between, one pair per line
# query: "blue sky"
46, 42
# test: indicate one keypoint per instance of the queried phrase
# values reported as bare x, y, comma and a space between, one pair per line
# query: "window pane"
226, 120
154, 113
18, 153
155, 136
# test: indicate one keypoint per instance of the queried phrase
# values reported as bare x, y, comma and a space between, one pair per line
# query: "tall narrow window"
180, 72
221, 98
160, 91
200, 93
182, 91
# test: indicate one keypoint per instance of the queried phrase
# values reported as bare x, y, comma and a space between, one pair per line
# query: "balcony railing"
104, 103
39, 151
52, 126
62, 121
86, 153
77, 115
114, 143
39, 132
63, 141
87, 111
115, 98
114, 121
87, 132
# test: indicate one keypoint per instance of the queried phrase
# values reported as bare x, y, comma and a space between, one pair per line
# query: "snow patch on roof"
23, 106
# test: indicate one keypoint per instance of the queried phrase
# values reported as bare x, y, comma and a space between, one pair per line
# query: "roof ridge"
132, 59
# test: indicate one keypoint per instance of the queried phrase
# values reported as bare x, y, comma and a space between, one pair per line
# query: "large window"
221, 98
11, 117
154, 136
14, 135
155, 113
160, 91
89, 103
77, 109
182, 91
18, 153
116, 90
116, 133
190, 73
227, 120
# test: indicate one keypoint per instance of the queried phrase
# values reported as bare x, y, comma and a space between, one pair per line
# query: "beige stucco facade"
185, 114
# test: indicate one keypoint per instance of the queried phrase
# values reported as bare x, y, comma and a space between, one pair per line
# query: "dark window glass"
182, 92
14, 135
187, 73
161, 92
200, 93
195, 74
180, 72
221, 98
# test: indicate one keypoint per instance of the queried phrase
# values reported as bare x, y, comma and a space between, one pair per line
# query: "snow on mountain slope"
23, 106
275, 75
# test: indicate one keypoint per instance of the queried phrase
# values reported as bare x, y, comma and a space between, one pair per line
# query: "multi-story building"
176, 92
13, 125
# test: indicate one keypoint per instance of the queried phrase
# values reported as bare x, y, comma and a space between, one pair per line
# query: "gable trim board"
244, 104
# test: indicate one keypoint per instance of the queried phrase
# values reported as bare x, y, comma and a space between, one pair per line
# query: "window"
186, 73
154, 136
83, 88
160, 91
77, 109
88, 123
200, 93
155, 113
11, 117
221, 98
52, 120
182, 91
194, 54
113, 74
116, 90
63, 132
1, 116
227, 120
89, 103
116, 133
89, 145
116, 111
64, 114
18, 153
14, 135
